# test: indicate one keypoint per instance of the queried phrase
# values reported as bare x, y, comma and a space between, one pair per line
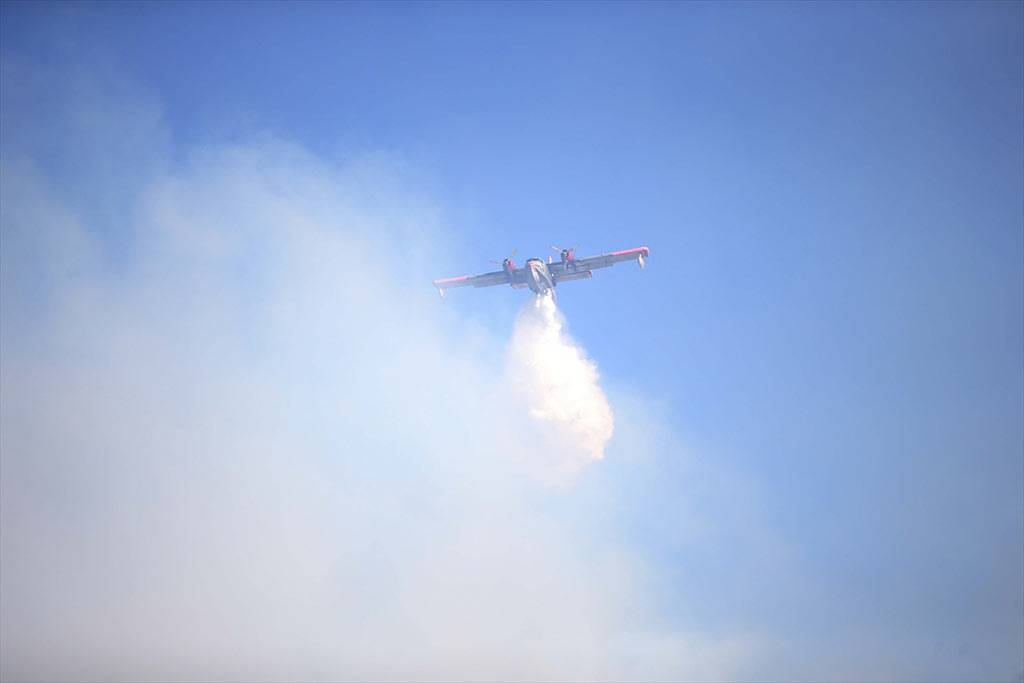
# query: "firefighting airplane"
543, 277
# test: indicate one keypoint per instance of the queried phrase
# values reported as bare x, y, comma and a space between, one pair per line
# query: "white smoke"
240, 441
558, 383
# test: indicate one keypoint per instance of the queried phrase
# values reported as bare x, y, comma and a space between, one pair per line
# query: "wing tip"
448, 280
642, 251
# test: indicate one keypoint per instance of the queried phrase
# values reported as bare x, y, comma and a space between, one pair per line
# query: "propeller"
501, 263
572, 248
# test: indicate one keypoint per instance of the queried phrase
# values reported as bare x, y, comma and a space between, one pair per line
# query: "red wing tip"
438, 283
638, 250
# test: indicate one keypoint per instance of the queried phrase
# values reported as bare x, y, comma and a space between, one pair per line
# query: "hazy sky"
242, 438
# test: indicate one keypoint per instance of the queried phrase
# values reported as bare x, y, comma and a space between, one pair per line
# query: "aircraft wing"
498, 277
587, 263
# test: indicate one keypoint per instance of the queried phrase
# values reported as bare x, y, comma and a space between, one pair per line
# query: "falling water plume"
556, 380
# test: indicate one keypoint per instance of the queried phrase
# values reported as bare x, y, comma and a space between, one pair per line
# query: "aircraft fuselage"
538, 277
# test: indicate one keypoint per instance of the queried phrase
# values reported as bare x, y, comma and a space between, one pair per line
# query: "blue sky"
833, 314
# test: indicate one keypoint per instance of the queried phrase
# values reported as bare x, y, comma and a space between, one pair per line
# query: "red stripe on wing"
639, 250
451, 279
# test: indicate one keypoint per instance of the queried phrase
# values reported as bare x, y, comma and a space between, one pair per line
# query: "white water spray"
559, 384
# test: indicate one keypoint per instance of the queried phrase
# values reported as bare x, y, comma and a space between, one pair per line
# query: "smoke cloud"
558, 383
241, 440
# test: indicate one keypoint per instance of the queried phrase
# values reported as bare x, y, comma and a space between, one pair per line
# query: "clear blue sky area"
832, 195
